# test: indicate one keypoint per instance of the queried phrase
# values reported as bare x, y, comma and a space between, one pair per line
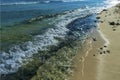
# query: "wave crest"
17, 55
37, 2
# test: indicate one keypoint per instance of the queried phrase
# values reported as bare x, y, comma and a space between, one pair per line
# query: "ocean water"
13, 11
61, 17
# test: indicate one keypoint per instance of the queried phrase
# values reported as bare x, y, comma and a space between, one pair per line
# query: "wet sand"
87, 60
99, 60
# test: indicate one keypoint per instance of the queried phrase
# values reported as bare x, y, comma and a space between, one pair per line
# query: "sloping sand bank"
99, 59
109, 67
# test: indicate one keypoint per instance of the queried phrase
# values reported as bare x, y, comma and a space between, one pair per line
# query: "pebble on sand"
101, 48
98, 17
112, 23
105, 46
114, 29
100, 52
104, 52
108, 51
94, 39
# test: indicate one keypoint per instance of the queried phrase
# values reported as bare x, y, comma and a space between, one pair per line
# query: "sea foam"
18, 55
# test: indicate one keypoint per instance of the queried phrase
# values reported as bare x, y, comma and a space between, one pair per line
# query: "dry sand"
109, 67
93, 63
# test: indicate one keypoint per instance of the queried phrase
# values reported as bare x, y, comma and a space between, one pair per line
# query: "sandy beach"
109, 67
100, 59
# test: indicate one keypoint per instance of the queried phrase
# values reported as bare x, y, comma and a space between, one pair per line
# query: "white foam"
71, 0
14, 58
105, 39
111, 3
108, 4
19, 3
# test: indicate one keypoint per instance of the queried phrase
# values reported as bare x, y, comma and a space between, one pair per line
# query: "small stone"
98, 17
108, 51
95, 21
94, 39
114, 29
101, 48
100, 52
117, 23
112, 23
104, 9
104, 52
105, 46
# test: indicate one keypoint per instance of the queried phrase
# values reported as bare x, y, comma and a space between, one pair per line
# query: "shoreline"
88, 64
95, 64
86, 61
104, 38
110, 27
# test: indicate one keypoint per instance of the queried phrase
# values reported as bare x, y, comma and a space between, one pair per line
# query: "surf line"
84, 57
103, 36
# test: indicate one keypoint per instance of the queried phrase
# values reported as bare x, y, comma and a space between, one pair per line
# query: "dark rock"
98, 17
112, 23
105, 46
100, 52
101, 48
101, 21
104, 52
94, 39
117, 23
95, 21
104, 9
108, 51
114, 29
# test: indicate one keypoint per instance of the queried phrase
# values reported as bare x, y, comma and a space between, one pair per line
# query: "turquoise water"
11, 14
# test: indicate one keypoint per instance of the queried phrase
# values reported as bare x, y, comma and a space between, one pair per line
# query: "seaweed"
53, 64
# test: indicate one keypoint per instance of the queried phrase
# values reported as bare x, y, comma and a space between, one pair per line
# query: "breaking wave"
37, 2
18, 3
110, 3
71, 0
17, 55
